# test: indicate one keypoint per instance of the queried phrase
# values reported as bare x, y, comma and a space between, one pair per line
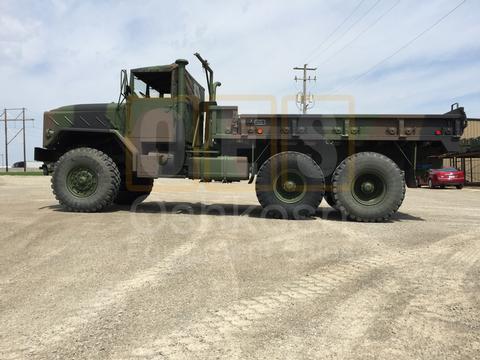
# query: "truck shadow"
253, 211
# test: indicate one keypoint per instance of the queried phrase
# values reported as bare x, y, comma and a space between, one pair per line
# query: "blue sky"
58, 52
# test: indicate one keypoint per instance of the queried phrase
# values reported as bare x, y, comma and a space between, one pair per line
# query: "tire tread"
114, 185
338, 202
263, 196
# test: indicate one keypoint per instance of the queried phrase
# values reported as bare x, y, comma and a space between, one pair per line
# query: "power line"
336, 29
362, 32
403, 47
352, 25
339, 27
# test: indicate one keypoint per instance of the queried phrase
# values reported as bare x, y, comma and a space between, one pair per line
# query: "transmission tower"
305, 100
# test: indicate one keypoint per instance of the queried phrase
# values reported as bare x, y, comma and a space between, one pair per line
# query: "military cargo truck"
163, 126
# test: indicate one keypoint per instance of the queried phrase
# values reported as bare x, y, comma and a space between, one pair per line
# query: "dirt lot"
196, 272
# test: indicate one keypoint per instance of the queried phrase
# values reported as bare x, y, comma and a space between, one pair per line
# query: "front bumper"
454, 181
45, 155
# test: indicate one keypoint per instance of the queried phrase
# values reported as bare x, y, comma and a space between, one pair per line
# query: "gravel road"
197, 272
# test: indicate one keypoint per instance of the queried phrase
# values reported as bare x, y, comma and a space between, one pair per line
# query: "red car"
445, 177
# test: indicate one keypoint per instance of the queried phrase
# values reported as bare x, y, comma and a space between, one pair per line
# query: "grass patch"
21, 173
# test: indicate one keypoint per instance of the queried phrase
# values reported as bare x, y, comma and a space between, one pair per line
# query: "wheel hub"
368, 187
82, 182
289, 186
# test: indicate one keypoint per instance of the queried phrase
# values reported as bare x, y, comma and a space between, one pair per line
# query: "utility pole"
304, 100
6, 139
24, 144
23, 120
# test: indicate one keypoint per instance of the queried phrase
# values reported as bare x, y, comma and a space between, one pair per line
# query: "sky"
389, 56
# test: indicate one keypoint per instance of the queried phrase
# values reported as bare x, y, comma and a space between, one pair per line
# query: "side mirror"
124, 87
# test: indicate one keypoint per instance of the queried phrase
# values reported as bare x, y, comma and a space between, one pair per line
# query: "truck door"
152, 132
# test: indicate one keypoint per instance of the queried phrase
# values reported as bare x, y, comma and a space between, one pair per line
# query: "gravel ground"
196, 272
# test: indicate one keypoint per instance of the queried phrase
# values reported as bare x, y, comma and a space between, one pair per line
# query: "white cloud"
61, 52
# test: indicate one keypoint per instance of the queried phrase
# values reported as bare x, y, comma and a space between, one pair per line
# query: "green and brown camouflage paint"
163, 135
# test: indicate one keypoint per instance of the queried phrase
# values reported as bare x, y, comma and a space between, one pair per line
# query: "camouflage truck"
162, 126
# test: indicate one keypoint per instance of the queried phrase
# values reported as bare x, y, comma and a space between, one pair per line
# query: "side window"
152, 84
145, 90
140, 88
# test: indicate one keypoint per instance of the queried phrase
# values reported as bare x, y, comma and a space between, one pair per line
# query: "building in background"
469, 160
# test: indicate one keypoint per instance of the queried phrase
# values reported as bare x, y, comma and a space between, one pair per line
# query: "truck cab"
161, 106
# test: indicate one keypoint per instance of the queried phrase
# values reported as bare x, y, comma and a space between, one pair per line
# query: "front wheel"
430, 184
459, 187
368, 187
290, 184
85, 180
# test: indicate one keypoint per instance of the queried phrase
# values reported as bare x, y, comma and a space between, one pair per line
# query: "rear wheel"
290, 184
85, 180
459, 186
430, 184
368, 187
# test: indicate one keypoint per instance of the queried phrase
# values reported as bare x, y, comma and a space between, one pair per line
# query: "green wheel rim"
290, 187
82, 182
369, 189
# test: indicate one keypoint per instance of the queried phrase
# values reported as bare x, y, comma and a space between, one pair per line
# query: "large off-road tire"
85, 180
368, 187
290, 184
136, 189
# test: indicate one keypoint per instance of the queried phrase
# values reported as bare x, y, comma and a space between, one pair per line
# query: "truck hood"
93, 117
84, 107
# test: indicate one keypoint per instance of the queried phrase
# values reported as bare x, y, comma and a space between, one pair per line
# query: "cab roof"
160, 78
156, 68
